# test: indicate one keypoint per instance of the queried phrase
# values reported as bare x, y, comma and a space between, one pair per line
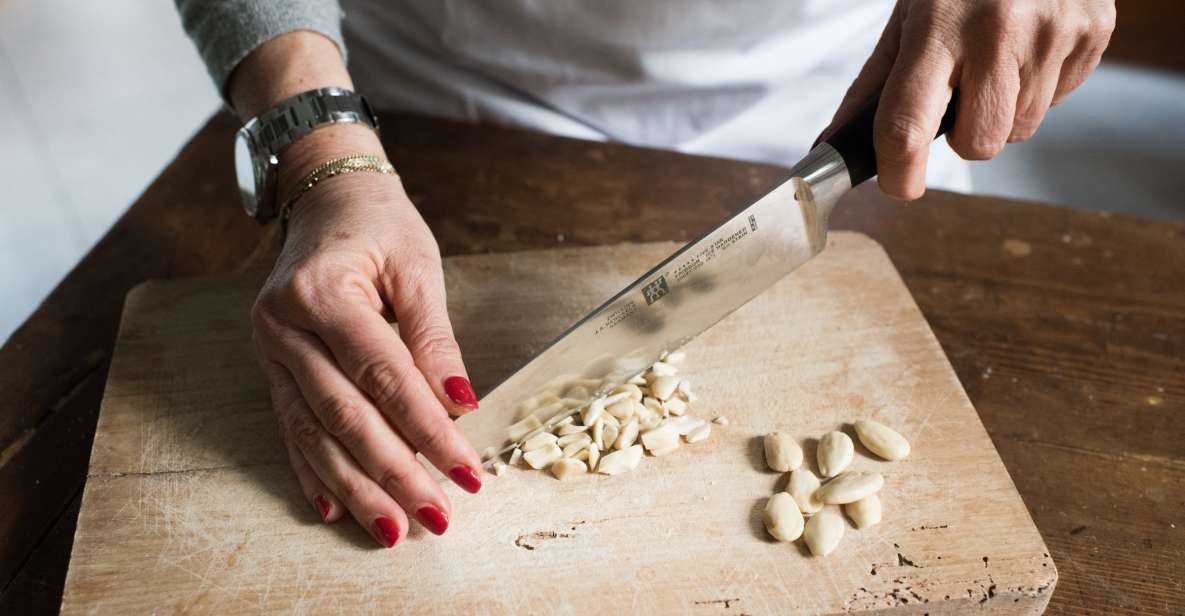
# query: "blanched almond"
675, 406
881, 439
621, 410
515, 456
661, 439
591, 413
698, 434
620, 461
803, 486
664, 386
630, 390
539, 440
865, 512
834, 453
782, 453
720, 421
783, 520
566, 467
594, 456
627, 436
684, 425
499, 469
611, 431
566, 440
648, 419
823, 531
570, 429
661, 368
541, 458
572, 449
850, 487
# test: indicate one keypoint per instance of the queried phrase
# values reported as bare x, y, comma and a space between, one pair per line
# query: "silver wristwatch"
260, 142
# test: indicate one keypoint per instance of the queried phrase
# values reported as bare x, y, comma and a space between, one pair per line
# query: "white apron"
748, 79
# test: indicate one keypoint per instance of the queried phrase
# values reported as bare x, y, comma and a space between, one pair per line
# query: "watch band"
259, 143
277, 128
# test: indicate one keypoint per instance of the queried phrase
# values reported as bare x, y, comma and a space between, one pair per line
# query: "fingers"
372, 356
871, 79
1039, 78
350, 418
335, 470
988, 90
314, 489
911, 107
417, 297
1080, 64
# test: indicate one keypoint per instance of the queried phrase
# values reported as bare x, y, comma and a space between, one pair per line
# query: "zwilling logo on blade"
656, 290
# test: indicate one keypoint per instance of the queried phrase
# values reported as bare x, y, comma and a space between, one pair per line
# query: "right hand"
356, 400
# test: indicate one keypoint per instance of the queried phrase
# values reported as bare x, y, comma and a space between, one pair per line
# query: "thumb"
871, 79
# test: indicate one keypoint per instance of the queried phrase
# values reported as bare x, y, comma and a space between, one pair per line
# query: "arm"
355, 399
1010, 59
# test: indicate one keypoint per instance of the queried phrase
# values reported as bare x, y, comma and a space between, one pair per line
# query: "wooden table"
1067, 329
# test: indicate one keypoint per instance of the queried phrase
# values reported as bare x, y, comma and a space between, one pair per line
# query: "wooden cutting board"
190, 506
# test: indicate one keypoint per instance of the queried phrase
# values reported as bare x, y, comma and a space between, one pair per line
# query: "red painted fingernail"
386, 531
466, 478
433, 519
460, 391
323, 507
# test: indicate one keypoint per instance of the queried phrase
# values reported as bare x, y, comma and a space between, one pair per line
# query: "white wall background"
96, 97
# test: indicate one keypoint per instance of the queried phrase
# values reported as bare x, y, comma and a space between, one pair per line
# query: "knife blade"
688, 292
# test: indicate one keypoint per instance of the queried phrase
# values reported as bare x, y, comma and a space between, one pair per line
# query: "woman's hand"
357, 399
1010, 59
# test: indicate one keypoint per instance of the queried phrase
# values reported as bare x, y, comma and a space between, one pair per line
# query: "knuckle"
1104, 24
302, 289
349, 487
900, 137
341, 417
1025, 128
303, 432
434, 340
385, 382
431, 437
395, 479
263, 319
977, 148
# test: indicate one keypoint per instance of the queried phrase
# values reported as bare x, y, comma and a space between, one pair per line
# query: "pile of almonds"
809, 508
569, 435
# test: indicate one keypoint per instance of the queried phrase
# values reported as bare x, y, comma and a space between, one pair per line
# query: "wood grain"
1085, 327
189, 487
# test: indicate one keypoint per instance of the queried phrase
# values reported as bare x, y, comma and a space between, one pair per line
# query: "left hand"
1010, 59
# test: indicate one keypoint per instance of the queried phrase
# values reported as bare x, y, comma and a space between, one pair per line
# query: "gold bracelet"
338, 166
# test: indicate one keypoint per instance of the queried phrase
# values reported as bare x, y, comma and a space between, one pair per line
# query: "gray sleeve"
225, 31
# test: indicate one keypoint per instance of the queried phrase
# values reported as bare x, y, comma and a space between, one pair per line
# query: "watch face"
245, 173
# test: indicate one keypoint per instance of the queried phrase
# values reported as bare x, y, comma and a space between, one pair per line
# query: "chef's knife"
694, 288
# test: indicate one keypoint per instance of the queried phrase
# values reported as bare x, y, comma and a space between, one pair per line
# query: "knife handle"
854, 143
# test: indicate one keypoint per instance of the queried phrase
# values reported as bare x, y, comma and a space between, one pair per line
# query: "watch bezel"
255, 190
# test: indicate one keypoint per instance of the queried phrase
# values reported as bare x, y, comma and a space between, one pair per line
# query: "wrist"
319, 146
